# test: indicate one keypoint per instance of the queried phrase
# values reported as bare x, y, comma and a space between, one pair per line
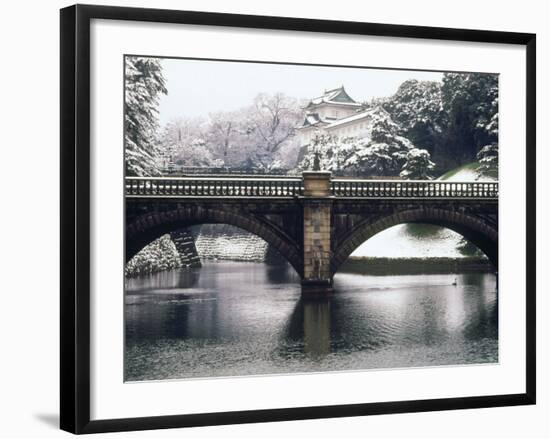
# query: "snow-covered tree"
197, 154
488, 161
328, 153
223, 133
287, 154
470, 101
275, 166
417, 106
452, 119
254, 136
270, 123
342, 157
383, 153
374, 159
418, 165
258, 137
184, 141
144, 83
183, 131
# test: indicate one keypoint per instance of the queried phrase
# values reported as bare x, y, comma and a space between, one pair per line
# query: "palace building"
337, 114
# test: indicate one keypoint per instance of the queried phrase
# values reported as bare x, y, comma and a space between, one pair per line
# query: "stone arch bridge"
314, 221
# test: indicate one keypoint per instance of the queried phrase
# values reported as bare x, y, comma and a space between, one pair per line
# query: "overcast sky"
197, 88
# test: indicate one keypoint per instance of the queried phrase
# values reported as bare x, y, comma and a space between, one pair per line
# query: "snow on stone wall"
225, 242
159, 255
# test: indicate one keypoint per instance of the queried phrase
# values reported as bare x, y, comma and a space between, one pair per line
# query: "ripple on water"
256, 323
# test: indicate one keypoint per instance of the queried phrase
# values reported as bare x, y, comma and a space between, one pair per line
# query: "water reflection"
229, 319
170, 279
309, 327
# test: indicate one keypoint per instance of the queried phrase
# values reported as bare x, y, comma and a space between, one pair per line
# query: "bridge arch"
475, 229
145, 228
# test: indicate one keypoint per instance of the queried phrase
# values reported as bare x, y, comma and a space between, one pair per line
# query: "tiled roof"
336, 96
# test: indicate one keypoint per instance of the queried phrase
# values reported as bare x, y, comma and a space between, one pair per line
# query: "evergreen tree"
386, 150
418, 165
488, 161
452, 120
417, 106
471, 103
144, 83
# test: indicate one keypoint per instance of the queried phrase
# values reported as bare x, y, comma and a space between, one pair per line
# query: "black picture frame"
75, 217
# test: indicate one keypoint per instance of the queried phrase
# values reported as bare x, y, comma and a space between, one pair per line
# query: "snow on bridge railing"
342, 187
213, 186
285, 187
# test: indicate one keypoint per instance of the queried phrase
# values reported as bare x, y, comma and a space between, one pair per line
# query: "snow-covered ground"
403, 241
400, 242
465, 173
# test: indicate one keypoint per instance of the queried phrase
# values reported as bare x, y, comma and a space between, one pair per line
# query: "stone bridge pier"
317, 212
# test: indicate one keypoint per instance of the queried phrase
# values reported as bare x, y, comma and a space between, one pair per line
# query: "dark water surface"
231, 318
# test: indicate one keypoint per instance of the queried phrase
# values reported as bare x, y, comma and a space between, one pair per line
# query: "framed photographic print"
273, 218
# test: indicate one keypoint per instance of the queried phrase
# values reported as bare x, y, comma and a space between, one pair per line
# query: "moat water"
243, 318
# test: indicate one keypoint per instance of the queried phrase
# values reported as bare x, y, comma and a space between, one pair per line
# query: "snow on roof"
352, 118
337, 96
312, 119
